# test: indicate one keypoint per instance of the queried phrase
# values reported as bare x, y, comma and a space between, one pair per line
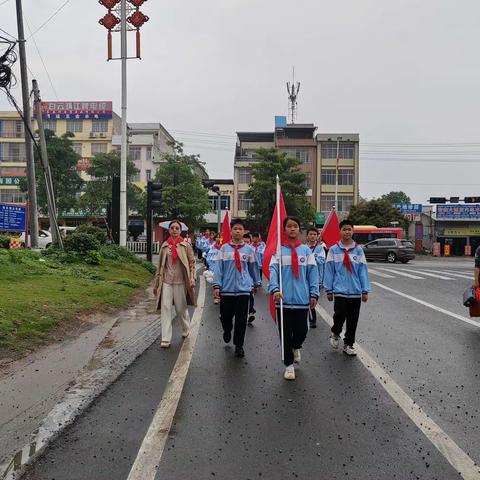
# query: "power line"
9, 34
3, 3
56, 12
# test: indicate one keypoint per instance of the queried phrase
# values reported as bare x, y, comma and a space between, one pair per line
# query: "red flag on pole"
225, 235
331, 231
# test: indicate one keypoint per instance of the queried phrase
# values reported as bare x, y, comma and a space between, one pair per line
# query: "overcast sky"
397, 73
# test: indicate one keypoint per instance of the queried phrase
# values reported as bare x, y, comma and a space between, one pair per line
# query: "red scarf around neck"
294, 256
346, 257
173, 243
238, 262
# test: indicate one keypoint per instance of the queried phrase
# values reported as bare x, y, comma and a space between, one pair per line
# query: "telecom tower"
293, 89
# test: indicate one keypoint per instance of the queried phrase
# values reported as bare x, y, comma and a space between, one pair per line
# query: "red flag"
331, 231
272, 244
225, 235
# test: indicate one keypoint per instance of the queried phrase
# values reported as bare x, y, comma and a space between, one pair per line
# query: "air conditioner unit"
103, 135
92, 135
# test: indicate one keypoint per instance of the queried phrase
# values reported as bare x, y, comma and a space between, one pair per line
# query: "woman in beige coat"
175, 282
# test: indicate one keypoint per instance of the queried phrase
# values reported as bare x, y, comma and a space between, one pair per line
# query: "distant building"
317, 154
226, 187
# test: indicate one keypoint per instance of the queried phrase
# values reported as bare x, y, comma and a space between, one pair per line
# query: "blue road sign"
13, 217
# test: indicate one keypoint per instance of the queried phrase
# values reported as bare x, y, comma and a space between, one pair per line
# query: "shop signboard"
458, 211
462, 232
13, 218
10, 181
411, 211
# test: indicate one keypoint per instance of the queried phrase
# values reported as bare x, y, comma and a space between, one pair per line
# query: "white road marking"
398, 272
452, 274
465, 273
429, 305
148, 458
459, 460
433, 275
380, 274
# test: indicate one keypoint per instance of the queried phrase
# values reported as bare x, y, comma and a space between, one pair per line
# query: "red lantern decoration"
137, 20
109, 3
137, 3
109, 21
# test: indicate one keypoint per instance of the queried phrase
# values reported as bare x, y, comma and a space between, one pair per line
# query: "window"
245, 175
75, 126
148, 174
149, 153
12, 152
12, 196
346, 150
328, 176
308, 180
135, 177
345, 202
134, 153
50, 125
99, 148
244, 202
298, 153
406, 243
224, 202
11, 129
345, 176
386, 243
77, 148
100, 126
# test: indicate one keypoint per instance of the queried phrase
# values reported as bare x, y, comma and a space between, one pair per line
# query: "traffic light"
154, 195
438, 200
454, 199
471, 199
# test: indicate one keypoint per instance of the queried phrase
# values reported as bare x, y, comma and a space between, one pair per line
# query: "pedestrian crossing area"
416, 272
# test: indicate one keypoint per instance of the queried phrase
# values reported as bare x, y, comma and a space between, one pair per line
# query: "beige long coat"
187, 258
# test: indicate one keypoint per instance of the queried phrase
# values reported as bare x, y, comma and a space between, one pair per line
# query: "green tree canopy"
98, 191
183, 195
263, 189
376, 212
67, 183
396, 197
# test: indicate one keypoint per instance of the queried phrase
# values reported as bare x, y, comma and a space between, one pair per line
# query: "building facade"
318, 156
12, 158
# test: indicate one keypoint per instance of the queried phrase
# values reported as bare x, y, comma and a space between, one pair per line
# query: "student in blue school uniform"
346, 282
300, 291
259, 246
319, 254
236, 274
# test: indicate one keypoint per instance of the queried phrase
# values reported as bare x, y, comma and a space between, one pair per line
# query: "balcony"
5, 134
13, 159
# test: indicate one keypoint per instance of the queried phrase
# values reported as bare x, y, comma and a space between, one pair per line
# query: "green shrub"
97, 232
56, 254
149, 266
114, 252
81, 243
93, 257
4, 241
127, 283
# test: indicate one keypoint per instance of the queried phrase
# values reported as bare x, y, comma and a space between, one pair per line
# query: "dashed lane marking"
429, 305
380, 274
452, 274
433, 275
150, 454
459, 460
403, 274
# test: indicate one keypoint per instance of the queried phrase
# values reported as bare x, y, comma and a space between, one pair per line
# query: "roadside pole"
27, 118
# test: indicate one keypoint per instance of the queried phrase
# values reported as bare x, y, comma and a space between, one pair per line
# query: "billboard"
458, 211
411, 211
74, 110
13, 218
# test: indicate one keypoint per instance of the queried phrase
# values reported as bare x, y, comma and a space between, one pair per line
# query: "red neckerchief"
218, 246
346, 257
312, 248
238, 262
294, 256
173, 244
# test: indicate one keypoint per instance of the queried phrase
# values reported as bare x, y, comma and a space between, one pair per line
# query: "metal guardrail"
141, 247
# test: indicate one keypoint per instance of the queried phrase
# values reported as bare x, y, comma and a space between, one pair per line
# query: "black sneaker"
313, 325
227, 336
251, 318
239, 352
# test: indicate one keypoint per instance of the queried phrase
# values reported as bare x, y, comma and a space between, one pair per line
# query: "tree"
376, 212
67, 183
98, 191
263, 189
183, 195
396, 197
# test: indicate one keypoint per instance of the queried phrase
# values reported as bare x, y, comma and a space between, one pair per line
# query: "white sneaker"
165, 344
297, 356
350, 351
289, 373
334, 340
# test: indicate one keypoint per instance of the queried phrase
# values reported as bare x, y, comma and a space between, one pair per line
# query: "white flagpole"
279, 257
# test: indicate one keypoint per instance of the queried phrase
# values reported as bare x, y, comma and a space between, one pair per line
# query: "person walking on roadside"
175, 282
346, 282
236, 275
259, 246
247, 238
476, 273
300, 291
319, 254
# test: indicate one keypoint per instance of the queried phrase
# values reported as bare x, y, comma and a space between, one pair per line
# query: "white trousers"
173, 295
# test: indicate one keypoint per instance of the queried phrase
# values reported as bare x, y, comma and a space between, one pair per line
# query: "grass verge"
39, 294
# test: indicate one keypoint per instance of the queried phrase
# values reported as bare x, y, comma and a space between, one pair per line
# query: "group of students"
303, 269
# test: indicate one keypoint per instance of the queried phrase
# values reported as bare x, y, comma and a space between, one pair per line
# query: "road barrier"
141, 247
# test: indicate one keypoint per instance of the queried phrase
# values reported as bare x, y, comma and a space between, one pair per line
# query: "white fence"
141, 247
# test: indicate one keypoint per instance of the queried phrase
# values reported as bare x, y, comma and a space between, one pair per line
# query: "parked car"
390, 250
44, 239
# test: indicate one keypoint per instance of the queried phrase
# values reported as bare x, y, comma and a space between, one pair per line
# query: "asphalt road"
239, 419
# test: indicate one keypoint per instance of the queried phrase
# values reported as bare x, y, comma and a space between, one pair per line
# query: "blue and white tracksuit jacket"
228, 278
319, 254
297, 292
259, 252
338, 280
212, 256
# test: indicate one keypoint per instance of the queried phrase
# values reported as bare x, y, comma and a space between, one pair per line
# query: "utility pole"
52, 208
27, 117
123, 152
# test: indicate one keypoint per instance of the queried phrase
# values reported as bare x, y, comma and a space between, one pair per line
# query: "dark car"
390, 250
